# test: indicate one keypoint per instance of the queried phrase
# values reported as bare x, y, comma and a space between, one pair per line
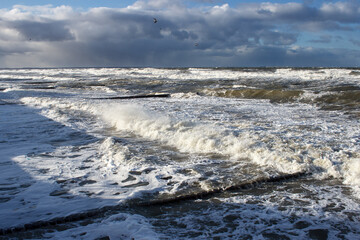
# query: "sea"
180, 153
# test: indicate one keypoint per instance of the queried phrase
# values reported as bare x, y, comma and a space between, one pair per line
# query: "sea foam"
198, 137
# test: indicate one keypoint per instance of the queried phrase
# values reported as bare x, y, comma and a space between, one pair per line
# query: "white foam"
117, 226
265, 150
352, 174
12, 88
112, 153
185, 95
132, 138
287, 74
196, 137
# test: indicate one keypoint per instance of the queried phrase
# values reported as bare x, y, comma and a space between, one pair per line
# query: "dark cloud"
43, 31
302, 57
248, 35
278, 38
318, 26
14, 49
182, 34
322, 39
341, 12
355, 42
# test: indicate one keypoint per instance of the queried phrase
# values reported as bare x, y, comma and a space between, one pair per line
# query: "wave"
186, 136
274, 95
266, 149
344, 100
338, 98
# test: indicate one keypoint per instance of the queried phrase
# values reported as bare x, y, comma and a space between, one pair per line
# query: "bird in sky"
155, 20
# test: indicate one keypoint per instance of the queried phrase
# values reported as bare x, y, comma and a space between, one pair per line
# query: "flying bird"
155, 20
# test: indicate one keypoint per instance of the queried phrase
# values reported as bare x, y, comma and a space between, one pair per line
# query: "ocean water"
77, 161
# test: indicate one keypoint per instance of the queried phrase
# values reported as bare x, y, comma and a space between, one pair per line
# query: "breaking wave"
205, 138
344, 99
274, 95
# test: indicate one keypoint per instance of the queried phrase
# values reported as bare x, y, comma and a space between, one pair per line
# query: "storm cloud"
42, 31
261, 34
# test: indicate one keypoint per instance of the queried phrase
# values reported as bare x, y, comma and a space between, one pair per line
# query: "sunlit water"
68, 147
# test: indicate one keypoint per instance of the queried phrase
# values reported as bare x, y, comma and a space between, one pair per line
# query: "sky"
187, 33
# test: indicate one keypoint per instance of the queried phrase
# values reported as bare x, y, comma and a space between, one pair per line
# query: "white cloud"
348, 11
22, 12
156, 4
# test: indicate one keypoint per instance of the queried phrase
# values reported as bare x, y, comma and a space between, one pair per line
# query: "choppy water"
67, 147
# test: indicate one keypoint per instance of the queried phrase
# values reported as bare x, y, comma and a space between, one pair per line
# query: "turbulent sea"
192, 153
